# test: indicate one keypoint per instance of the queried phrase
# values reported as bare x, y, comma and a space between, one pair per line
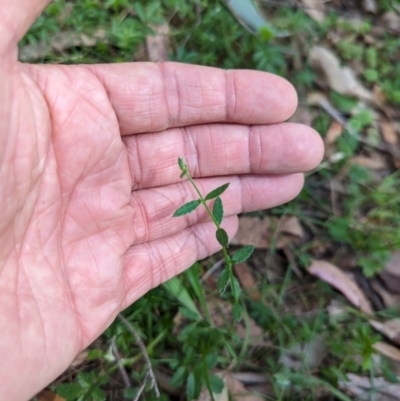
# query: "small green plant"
226, 279
87, 387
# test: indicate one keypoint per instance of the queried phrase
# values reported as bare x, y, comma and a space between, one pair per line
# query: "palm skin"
89, 182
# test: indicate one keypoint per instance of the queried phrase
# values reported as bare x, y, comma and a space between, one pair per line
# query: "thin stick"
140, 391
144, 353
336, 115
121, 367
212, 270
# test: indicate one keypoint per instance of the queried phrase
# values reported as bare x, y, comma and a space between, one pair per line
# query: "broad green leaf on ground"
178, 377
98, 394
216, 384
69, 391
192, 388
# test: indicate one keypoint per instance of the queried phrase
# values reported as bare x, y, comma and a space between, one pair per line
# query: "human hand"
89, 183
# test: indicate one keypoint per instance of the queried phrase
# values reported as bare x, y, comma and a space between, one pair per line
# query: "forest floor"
321, 292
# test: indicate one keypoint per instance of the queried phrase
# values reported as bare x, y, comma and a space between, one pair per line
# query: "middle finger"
222, 149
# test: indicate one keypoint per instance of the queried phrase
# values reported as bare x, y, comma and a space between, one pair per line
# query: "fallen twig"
142, 347
121, 367
140, 391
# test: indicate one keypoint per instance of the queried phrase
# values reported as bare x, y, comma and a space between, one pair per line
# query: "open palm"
89, 182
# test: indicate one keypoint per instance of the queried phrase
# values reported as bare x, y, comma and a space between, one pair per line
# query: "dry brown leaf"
370, 6
341, 79
343, 283
373, 163
391, 21
238, 391
334, 131
253, 331
66, 12
80, 358
247, 281
291, 225
46, 395
304, 355
387, 350
255, 231
302, 115
158, 44
250, 377
391, 273
260, 232
389, 132
221, 313
388, 298
390, 329
362, 388
379, 95
233, 387
315, 9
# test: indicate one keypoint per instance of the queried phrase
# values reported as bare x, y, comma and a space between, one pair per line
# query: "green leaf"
182, 165
238, 289
237, 311
188, 313
193, 276
98, 394
223, 281
69, 391
175, 288
191, 387
242, 254
85, 379
339, 229
130, 392
216, 384
222, 237
218, 210
217, 192
187, 208
211, 360
178, 377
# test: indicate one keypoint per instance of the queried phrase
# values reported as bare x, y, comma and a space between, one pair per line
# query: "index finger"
149, 97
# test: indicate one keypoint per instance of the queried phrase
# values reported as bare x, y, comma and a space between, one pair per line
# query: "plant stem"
227, 258
202, 200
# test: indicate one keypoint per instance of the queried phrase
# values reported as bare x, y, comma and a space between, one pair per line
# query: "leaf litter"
275, 235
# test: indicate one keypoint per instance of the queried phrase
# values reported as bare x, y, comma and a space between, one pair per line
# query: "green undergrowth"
345, 208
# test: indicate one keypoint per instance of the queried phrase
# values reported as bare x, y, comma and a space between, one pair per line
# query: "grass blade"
175, 288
